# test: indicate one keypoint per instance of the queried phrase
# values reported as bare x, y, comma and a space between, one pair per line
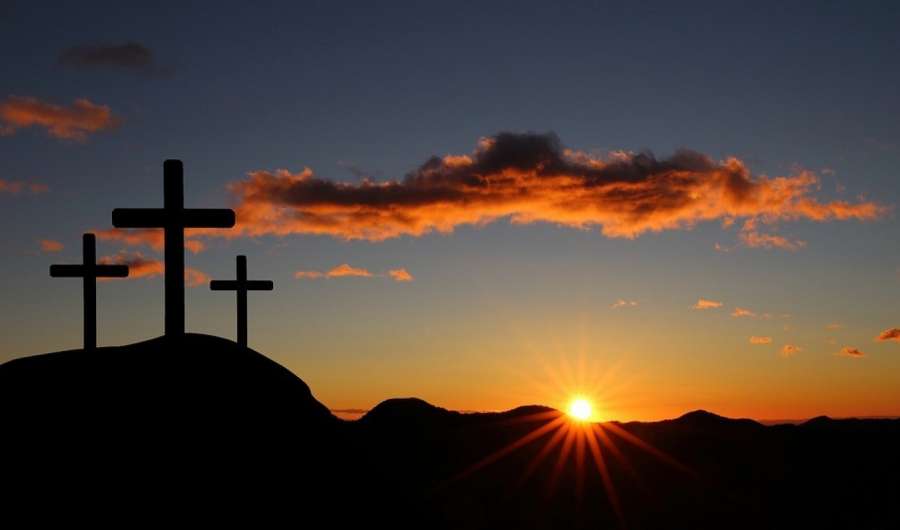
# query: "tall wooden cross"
173, 218
89, 271
241, 286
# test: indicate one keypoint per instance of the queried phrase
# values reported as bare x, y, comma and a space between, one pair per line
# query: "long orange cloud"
74, 122
345, 270
529, 178
341, 271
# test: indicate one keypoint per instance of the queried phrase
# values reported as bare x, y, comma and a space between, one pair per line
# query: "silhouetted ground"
202, 428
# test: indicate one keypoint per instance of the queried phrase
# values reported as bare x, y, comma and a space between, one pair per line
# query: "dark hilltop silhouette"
205, 425
189, 428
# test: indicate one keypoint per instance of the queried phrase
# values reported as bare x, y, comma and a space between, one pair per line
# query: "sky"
482, 204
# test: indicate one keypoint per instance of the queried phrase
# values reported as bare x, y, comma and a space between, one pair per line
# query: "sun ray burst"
569, 439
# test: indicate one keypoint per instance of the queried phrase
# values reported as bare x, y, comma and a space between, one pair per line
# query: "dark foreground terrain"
202, 429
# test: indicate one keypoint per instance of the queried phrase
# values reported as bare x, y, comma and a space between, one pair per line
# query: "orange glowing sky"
657, 209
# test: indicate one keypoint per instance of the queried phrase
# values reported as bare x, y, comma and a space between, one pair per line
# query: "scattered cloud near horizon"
141, 266
751, 237
345, 270
760, 340
50, 245
74, 122
847, 351
195, 277
833, 326
308, 275
620, 303
528, 178
703, 303
790, 349
740, 312
129, 56
891, 334
400, 275
15, 187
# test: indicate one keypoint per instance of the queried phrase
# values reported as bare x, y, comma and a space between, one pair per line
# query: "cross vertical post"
173, 234
89, 284
241, 293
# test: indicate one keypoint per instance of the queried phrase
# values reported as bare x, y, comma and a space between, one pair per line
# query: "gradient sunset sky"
664, 207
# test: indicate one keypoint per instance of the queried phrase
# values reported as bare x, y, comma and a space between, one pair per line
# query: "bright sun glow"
580, 409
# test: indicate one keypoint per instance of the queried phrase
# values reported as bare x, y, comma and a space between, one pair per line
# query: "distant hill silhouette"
202, 426
405, 411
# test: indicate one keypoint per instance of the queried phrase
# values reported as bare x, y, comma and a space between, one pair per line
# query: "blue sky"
361, 88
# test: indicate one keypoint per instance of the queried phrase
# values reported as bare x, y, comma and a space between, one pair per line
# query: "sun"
580, 409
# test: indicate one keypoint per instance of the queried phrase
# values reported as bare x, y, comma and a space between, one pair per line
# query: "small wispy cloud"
722, 248
740, 312
760, 340
891, 334
703, 303
752, 237
141, 266
15, 187
195, 278
620, 303
400, 275
308, 275
345, 270
128, 56
790, 349
149, 237
847, 351
833, 326
50, 245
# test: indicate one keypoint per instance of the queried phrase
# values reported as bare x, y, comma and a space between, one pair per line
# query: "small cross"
173, 218
241, 286
89, 271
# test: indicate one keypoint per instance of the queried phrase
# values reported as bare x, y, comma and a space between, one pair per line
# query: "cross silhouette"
241, 286
173, 218
89, 271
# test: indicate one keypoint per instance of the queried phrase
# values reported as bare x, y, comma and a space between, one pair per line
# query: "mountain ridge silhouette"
202, 418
